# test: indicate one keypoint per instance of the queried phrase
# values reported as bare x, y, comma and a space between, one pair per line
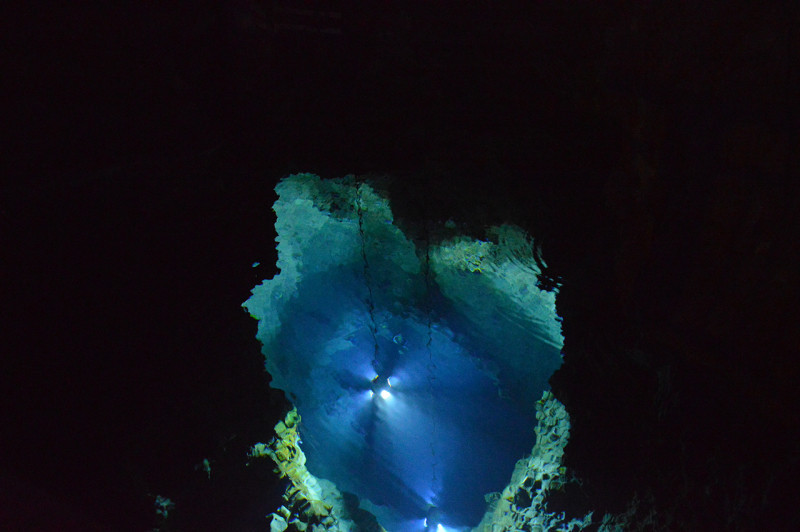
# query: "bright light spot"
371, 393
385, 394
439, 527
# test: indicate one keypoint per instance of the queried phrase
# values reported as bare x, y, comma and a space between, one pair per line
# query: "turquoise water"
415, 368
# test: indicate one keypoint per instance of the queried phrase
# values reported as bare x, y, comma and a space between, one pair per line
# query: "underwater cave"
415, 363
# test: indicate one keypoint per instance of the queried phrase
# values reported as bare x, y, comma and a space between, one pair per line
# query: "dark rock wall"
650, 149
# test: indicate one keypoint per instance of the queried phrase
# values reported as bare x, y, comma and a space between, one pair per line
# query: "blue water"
460, 356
